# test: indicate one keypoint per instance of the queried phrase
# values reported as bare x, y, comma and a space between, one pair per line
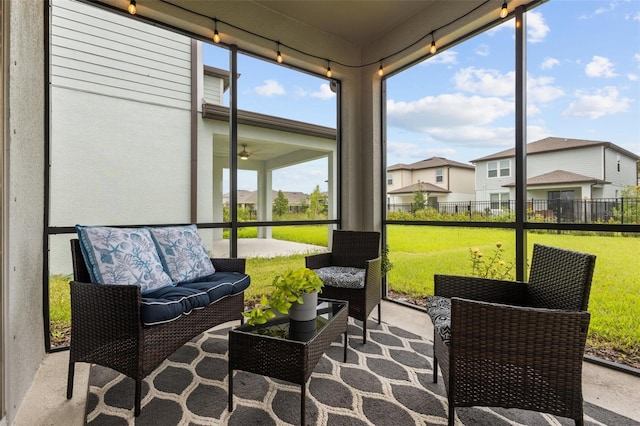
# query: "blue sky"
583, 63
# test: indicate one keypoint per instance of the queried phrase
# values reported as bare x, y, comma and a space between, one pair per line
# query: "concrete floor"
46, 402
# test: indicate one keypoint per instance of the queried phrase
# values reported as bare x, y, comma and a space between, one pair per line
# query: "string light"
216, 35
433, 48
279, 55
132, 7
504, 11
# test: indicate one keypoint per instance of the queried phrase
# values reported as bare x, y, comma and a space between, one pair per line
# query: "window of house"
500, 168
499, 200
439, 175
389, 178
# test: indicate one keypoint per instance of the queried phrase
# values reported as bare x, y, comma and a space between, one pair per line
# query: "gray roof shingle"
430, 163
558, 176
555, 144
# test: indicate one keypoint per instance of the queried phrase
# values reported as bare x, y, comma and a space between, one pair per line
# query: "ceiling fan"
244, 154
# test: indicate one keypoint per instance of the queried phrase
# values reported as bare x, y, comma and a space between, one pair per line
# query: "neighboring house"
440, 179
558, 170
249, 199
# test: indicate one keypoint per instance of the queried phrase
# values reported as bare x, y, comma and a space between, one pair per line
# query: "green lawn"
418, 252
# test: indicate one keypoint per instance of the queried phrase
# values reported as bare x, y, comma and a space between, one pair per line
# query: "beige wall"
24, 340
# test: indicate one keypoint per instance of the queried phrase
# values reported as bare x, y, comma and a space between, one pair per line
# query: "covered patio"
353, 43
45, 403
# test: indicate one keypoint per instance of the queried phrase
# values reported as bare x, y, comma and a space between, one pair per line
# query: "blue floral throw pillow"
182, 253
122, 256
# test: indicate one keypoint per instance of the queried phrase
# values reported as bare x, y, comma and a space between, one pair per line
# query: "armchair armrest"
105, 319
229, 265
373, 274
316, 261
481, 289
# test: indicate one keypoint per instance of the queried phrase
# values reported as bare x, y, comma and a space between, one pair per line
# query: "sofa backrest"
80, 271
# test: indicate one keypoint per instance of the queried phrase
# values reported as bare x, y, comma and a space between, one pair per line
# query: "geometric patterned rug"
388, 381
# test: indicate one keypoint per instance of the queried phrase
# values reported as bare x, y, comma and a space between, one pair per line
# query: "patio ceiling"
352, 32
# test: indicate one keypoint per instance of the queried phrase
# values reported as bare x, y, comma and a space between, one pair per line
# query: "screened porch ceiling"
356, 33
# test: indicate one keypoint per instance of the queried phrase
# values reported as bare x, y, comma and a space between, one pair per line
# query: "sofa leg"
452, 414
379, 312
70, 379
138, 397
435, 369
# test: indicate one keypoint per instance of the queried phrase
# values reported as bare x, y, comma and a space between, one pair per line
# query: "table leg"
303, 397
230, 389
345, 346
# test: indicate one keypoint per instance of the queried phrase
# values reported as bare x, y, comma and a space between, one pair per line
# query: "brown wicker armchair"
358, 249
515, 344
106, 326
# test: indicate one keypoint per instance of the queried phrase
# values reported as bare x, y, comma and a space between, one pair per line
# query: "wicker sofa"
108, 327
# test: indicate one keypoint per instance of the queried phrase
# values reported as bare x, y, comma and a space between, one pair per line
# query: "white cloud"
324, 92
491, 82
541, 89
300, 92
600, 67
602, 10
447, 57
602, 102
482, 50
484, 81
632, 77
270, 88
549, 63
448, 111
599, 11
412, 151
537, 29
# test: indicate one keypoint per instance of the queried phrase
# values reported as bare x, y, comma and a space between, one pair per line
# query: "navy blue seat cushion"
220, 284
170, 303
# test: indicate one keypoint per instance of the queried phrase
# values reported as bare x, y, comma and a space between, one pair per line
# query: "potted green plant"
295, 292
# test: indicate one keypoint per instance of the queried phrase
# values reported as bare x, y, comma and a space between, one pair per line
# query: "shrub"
492, 266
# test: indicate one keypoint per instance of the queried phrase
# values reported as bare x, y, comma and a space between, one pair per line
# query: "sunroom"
353, 53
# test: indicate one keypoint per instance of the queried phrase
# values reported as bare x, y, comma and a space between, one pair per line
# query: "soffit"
353, 32
357, 22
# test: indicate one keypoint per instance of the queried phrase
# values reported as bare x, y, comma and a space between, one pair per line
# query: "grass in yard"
418, 253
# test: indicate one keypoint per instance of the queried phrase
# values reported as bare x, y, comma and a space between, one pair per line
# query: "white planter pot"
306, 311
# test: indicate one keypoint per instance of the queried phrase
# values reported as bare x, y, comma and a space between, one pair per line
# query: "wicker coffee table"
287, 350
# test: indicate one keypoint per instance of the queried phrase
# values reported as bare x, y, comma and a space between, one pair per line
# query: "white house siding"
486, 186
461, 184
583, 161
120, 123
100, 52
213, 90
619, 179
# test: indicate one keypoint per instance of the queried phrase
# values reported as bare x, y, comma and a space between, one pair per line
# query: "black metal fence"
601, 210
